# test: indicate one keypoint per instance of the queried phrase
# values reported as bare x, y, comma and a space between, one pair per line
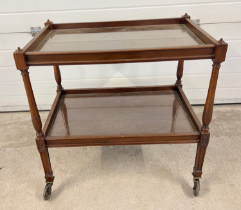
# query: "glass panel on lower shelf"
121, 114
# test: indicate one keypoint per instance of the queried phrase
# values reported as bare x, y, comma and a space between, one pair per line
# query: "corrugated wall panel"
219, 18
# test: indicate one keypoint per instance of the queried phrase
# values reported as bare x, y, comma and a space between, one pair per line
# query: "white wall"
220, 18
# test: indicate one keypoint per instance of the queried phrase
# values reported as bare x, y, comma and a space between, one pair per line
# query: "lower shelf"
136, 115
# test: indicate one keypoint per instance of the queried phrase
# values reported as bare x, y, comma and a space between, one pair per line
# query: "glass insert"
118, 38
120, 114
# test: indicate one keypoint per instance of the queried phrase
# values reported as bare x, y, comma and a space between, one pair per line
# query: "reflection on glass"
120, 114
65, 117
118, 38
174, 114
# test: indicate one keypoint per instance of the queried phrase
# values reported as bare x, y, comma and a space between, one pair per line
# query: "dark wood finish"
19, 54
20, 59
179, 72
96, 92
37, 39
118, 23
176, 138
208, 108
220, 51
206, 119
203, 35
106, 94
37, 124
215, 50
201, 151
189, 109
79, 143
121, 56
53, 144
118, 92
128, 56
57, 76
185, 16
49, 23
118, 89
118, 56
129, 91
120, 29
51, 113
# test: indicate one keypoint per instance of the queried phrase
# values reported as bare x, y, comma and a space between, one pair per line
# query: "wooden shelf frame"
171, 138
30, 58
213, 49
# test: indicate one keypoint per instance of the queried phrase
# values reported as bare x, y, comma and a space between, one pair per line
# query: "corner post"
37, 124
219, 56
206, 119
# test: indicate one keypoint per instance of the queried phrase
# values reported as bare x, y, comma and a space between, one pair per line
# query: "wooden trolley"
127, 115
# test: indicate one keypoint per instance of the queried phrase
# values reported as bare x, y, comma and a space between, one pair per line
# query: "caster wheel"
47, 191
196, 187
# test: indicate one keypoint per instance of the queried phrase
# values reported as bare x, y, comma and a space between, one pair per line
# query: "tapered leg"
37, 124
206, 119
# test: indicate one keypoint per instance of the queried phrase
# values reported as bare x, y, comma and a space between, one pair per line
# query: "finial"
19, 49
221, 41
186, 16
48, 22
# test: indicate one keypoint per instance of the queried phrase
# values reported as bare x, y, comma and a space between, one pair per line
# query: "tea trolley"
126, 115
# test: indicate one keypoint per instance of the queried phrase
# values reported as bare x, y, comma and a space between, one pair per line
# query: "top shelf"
118, 38
119, 42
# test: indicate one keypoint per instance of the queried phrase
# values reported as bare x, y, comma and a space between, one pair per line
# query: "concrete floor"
121, 177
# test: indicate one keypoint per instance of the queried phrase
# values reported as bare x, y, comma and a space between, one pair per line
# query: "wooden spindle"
57, 76
179, 72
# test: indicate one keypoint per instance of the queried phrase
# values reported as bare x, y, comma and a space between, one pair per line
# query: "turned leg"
179, 72
57, 76
206, 119
205, 135
37, 124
